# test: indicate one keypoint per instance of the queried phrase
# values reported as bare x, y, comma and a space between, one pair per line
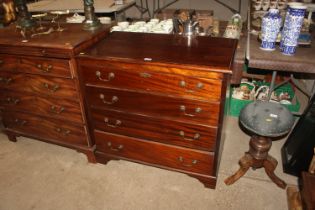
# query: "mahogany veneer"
39, 91
158, 100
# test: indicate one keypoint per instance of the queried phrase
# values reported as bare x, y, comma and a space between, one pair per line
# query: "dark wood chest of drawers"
39, 90
158, 100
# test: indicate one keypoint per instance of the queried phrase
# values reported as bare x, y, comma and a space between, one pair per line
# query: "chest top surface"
67, 42
204, 53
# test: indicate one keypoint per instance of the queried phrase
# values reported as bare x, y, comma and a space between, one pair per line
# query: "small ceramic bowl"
154, 20
116, 28
105, 20
140, 23
123, 24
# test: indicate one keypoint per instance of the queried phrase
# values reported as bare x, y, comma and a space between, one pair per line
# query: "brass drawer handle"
56, 110
183, 109
199, 85
51, 88
64, 132
117, 149
182, 83
117, 123
20, 122
110, 76
182, 161
14, 101
113, 100
44, 69
5, 80
196, 136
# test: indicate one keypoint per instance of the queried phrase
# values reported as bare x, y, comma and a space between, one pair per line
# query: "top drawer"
35, 65
139, 77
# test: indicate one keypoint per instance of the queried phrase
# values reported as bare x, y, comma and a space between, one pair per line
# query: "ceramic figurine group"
253, 90
272, 23
260, 7
269, 4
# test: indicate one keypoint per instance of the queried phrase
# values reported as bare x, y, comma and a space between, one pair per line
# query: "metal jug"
190, 25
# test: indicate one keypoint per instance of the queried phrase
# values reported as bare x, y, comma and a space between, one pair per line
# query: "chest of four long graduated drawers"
40, 95
158, 100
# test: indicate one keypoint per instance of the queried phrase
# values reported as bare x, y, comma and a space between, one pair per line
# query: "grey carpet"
37, 176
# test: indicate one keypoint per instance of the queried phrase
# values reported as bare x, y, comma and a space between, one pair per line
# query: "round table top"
266, 118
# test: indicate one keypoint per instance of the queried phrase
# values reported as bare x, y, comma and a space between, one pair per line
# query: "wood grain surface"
47, 128
155, 129
137, 77
156, 153
203, 53
155, 105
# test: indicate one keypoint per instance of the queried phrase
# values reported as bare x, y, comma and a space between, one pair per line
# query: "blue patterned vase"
292, 28
270, 28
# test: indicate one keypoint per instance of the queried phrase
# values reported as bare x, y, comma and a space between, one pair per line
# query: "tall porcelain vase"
292, 28
270, 28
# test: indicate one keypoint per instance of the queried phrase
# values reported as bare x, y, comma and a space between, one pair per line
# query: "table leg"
270, 165
245, 163
272, 84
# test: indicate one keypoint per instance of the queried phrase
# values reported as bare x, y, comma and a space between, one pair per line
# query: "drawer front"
47, 67
46, 128
36, 65
155, 105
57, 108
8, 63
138, 79
88, 63
165, 131
155, 153
44, 86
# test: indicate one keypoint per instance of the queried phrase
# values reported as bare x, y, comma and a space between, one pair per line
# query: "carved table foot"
270, 165
245, 163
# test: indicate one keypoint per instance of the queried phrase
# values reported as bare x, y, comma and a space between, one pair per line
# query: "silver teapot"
190, 26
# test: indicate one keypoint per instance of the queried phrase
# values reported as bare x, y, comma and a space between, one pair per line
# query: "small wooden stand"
257, 157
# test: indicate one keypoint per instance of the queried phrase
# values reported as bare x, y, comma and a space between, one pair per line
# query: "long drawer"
8, 63
155, 105
46, 128
155, 129
36, 65
155, 153
57, 108
42, 85
141, 79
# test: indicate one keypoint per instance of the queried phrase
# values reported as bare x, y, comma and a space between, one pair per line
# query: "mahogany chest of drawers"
39, 90
158, 100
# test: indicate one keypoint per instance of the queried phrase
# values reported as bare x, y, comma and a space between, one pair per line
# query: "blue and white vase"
292, 28
270, 27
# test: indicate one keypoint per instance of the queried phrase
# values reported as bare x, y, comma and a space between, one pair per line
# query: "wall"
219, 11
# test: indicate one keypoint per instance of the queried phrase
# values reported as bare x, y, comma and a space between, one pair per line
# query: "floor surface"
38, 176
